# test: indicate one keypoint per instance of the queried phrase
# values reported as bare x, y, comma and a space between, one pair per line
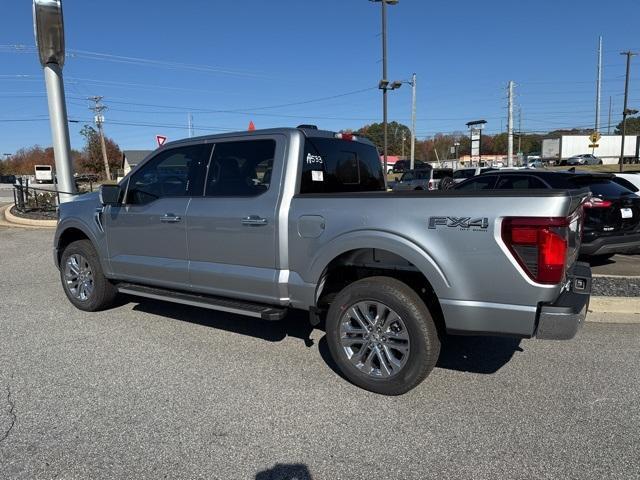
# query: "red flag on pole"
252, 127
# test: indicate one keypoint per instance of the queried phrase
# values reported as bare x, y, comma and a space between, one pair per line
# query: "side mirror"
110, 194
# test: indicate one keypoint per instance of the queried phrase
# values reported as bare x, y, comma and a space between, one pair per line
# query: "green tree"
91, 159
395, 133
633, 127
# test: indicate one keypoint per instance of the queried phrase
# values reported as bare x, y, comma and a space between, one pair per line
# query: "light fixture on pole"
384, 83
49, 32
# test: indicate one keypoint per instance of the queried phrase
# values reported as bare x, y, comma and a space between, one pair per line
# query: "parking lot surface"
154, 390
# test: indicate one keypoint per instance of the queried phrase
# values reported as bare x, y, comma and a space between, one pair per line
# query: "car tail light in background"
540, 245
595, 202
432, 185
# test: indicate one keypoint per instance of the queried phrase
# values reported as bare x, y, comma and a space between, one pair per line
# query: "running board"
257, 310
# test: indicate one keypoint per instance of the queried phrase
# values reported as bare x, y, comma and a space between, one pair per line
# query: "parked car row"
612, 215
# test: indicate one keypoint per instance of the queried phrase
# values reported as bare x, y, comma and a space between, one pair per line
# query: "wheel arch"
362, 254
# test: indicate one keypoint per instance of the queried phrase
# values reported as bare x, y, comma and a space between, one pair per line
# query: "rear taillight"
432, 185
346, 136
595, 202
540, 245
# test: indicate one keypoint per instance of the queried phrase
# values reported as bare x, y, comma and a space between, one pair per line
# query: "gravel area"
616, 286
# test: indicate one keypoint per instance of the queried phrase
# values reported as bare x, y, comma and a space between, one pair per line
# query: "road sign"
161, 139
594, 145
594, 137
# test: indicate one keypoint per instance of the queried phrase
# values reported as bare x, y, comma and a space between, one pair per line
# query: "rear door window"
334, 165
241, 168
465, 173
483, 182
519, 182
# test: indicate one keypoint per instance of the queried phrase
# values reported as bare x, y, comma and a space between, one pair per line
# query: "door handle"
254, 220
170, 218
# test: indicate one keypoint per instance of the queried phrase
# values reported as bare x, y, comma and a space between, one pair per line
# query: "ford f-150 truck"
257, 223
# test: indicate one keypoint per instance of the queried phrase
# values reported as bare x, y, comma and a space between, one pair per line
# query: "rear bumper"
612, 244
561, 319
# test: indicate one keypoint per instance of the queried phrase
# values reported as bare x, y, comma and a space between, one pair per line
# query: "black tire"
446, 183
103, 293
423, 337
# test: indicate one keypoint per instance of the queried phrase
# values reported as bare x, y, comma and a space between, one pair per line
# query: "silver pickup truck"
257, 223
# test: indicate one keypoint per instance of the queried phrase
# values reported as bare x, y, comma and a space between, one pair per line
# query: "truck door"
146, 235
231, 230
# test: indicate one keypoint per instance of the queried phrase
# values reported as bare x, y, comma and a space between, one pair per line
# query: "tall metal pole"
609, 121
598, 84
629, 54
49, 34
413, 120
190, 124
59, 131
510, 127
384, 78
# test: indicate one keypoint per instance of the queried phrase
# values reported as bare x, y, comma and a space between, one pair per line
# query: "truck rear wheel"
82, 278
382, 336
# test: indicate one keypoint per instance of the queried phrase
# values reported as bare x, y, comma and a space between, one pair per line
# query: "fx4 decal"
459, 222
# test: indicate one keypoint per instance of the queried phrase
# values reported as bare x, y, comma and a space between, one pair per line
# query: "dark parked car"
7, 179
612, 215
402, 166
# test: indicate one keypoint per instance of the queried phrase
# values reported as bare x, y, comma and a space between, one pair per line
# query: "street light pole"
384, 83
384, 77
413, 120
625, 110
49, 32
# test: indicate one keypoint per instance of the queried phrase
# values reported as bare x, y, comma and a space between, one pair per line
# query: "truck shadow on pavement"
295, 324
475, 354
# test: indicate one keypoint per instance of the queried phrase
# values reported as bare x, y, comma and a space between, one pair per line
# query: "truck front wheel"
382, 336
82, 278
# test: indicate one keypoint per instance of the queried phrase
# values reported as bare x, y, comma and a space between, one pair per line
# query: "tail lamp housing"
539, 245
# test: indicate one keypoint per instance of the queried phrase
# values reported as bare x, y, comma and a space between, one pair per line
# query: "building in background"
131, 158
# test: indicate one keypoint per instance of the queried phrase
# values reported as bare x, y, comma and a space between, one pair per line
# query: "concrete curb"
615, 309
12, 220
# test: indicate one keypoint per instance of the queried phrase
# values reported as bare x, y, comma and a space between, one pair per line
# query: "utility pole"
98, 108
598, 84
190, 124
404, 139
413, 120
384, 78
609, 121
629, 54
519, 131
510, 127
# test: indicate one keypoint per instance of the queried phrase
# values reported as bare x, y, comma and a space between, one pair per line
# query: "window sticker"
314, 159
316, 175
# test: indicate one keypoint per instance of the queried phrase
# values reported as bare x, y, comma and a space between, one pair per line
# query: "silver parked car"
584, 159
423, 179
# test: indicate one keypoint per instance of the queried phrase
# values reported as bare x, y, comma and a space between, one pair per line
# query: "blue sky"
156, 61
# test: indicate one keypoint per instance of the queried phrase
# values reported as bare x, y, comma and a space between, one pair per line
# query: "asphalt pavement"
155, 390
